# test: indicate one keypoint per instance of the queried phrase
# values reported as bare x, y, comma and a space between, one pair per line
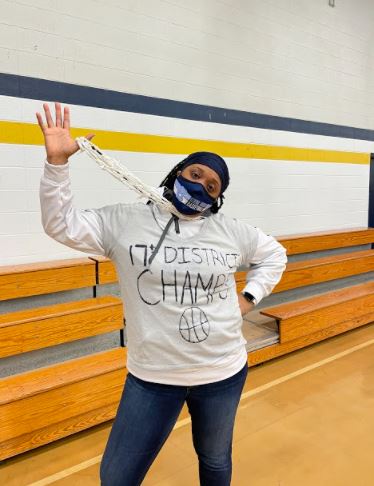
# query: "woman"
183, 314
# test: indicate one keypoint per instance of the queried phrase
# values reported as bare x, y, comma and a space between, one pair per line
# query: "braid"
169, 180
215, 208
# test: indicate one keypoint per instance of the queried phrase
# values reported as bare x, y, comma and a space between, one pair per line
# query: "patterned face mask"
190, 197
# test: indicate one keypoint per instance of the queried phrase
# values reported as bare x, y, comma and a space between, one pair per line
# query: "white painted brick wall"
293, 58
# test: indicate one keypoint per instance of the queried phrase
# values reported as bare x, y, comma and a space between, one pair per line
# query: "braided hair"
169, 180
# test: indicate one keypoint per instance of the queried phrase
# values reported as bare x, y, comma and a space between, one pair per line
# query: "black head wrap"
214, 161
210, 159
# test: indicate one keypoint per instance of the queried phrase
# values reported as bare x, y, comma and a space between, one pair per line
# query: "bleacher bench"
42, 405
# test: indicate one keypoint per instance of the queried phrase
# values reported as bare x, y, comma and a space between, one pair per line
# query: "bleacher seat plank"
302, 326
40, 406
240, 279
106, 271
36, 412
274, 351
33, 414
28, 330
317, 270
326, 240
25, 385
46, 277
55, 431
303, 306
306, 316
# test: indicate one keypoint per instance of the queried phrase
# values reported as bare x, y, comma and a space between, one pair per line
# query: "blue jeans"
146, 416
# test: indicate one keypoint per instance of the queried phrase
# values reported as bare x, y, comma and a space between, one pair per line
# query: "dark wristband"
249, 297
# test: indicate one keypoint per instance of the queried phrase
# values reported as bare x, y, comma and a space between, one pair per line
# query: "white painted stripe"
67, 472
306, 369
23, 110
181, 423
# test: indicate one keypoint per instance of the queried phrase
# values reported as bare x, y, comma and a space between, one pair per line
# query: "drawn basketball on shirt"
194, 325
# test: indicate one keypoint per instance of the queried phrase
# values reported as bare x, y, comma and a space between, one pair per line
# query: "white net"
120, 172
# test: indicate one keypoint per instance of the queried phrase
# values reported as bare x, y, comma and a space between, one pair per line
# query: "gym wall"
282, 89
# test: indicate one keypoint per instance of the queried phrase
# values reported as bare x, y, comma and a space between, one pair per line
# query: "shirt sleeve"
80, 229
267, 265
263, 255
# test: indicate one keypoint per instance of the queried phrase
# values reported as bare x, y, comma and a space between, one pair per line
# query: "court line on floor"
301, 371
181, 423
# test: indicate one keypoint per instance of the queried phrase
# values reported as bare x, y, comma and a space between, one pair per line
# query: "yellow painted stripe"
30, 134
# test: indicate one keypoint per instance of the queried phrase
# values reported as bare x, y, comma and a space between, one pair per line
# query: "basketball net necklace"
120, 172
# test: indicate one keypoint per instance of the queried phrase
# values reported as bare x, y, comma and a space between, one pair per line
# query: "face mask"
190, 197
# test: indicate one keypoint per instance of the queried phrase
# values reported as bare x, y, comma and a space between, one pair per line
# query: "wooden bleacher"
42, 405
317, 270
45, 404
33, 329
32, 279
326, 240
306, 321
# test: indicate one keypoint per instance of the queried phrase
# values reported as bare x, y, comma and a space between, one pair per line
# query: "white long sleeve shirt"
183, 318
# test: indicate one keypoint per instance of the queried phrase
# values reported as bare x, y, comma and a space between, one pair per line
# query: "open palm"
59, 143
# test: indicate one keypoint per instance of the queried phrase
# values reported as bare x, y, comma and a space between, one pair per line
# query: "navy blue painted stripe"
42, 89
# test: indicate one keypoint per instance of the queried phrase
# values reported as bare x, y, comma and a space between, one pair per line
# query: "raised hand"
59, 144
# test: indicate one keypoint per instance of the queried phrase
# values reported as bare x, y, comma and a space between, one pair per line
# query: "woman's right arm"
78, 229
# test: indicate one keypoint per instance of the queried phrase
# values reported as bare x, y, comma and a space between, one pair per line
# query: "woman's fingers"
61, 121
40, 121
48, 116
66, 118
58, 115
90, 136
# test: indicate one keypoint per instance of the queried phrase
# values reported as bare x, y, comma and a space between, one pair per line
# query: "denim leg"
213, 409
145, 417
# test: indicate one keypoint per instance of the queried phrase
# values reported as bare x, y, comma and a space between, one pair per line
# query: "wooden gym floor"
306, 419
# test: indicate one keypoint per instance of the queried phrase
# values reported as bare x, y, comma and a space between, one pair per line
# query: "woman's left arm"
267, 265
244, 305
